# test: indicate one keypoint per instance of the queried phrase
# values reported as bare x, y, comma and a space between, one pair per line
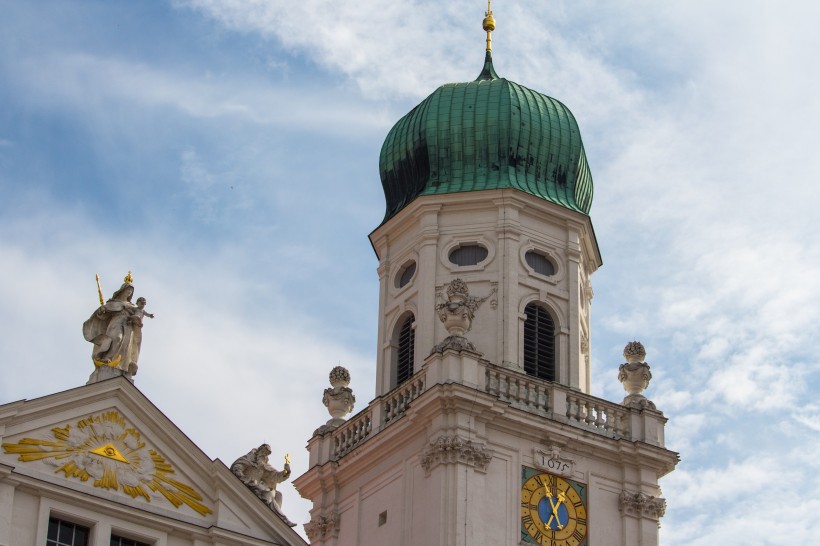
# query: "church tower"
483, 430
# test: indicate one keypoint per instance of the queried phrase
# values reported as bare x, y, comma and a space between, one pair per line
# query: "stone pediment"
107, 440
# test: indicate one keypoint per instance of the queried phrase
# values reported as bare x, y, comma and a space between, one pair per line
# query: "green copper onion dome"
490, 133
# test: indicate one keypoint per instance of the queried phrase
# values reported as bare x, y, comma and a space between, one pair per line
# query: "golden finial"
99, 289
129, 279
489, 25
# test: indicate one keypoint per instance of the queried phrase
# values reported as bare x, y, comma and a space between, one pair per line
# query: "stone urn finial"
338, 399
457, 314
634, 374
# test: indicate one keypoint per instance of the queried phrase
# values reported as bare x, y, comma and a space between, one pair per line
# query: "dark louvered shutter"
539, 343
407, 339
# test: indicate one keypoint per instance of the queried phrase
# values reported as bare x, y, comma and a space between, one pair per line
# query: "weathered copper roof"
490, 133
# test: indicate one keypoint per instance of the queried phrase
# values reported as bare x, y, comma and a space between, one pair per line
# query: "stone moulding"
455, 449
641, 505
323, 527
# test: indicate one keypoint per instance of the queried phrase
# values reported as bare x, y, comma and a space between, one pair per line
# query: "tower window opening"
470, 254
407, 341
539, 342
539, 263
406, 275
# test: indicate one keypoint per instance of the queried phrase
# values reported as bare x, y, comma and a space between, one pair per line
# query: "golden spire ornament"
99, 290
489, 25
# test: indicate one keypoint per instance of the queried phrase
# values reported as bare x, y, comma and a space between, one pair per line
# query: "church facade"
100, 464
483, 429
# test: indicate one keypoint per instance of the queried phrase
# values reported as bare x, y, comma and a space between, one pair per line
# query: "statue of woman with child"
115, 329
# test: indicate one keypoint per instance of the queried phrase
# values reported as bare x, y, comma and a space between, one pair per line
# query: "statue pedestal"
101, 373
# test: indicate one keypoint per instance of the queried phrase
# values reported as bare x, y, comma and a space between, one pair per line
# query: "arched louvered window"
405, 353
539, 342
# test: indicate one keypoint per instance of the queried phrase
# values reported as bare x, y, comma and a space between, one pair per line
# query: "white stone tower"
483, 430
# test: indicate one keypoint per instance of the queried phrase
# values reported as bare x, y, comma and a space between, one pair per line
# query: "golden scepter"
99, 290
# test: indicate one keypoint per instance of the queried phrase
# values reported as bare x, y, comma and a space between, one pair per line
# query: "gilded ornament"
488, 24
553, 510
103, 448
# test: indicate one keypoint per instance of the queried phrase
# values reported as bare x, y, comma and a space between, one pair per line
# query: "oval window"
406, 275
468, 255
539, 263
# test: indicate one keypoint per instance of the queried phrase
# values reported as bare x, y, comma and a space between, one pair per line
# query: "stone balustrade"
549, 400
597, 415
352, 433
521, 391
383, 412
396, 402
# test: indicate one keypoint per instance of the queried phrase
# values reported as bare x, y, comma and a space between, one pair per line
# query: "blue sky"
226, 152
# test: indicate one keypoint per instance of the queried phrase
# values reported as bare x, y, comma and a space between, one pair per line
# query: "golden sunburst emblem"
105, 449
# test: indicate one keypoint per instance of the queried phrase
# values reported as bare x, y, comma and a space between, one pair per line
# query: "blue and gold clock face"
553, 510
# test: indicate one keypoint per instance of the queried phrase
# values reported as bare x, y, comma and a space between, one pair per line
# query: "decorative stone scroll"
553, 461
455, 449
588, 292
457, 314
322, 527
455, 343
634, 374
585, 347
641, 505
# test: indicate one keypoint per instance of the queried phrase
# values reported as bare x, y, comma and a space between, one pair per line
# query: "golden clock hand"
555, 507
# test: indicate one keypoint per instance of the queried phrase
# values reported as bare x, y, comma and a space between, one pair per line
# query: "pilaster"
508, 228
6, 506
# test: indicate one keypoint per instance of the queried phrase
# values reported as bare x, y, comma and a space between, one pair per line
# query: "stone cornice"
489, 199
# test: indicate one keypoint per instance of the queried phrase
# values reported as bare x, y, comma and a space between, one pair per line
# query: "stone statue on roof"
115, 329
259, 476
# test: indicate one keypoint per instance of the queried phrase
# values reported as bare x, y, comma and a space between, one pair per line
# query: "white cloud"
700, 131
739, 502
95, 84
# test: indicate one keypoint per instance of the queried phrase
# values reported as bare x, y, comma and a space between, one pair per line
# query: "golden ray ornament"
105, 449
